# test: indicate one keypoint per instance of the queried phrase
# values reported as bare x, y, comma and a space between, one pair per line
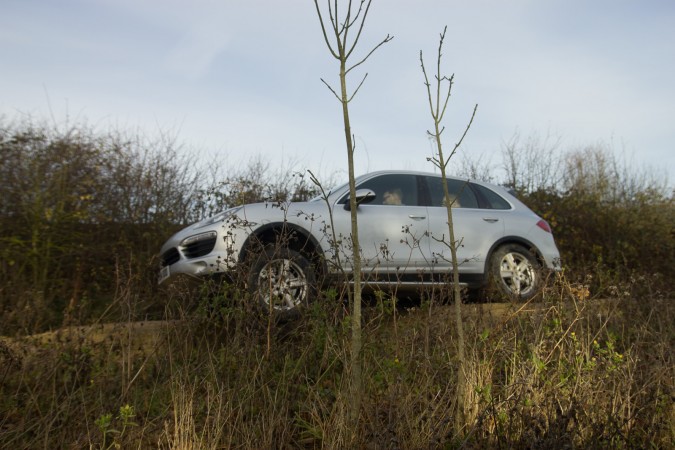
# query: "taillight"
544, 225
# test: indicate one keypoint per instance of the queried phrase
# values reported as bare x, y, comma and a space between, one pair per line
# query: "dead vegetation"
568, 371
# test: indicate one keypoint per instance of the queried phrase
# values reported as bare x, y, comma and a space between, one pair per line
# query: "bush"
84, 214
79, 209
610, 223
613, 221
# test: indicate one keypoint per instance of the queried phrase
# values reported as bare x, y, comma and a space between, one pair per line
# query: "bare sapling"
438, 103
341, 31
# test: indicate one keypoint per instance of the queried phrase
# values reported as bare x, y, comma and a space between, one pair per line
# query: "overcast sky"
235, 78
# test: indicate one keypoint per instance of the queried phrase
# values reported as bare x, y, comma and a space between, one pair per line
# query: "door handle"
414, 217
490, 219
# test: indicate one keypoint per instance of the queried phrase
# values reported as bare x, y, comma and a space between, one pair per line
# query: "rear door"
475, 229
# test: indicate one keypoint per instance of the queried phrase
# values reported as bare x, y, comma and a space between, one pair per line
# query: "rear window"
461, 194
491, 199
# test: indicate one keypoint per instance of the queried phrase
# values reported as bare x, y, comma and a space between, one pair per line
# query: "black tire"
514, 271
282, 281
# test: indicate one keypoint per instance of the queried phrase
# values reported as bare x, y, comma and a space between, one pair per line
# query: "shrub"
78, 209
613, 220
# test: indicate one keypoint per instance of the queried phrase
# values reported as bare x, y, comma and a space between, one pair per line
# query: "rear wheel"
282, 281
515, 272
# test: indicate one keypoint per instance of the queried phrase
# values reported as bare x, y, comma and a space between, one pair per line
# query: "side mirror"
362, 196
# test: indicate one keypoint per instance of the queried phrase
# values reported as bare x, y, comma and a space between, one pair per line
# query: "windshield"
330, 192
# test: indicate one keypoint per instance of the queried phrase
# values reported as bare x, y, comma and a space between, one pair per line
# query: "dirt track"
147, 337
143, 337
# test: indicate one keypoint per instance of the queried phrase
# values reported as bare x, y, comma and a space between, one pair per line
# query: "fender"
306, 242
511, 240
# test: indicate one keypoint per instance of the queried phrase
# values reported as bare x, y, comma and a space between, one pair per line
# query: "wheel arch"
508, 240
291, 236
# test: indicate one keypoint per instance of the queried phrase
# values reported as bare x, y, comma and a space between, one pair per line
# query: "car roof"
422, 173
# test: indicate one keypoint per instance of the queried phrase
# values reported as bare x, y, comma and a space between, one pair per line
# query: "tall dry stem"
437, 106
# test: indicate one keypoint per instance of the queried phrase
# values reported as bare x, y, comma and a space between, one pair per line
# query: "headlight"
198, 237
220, 217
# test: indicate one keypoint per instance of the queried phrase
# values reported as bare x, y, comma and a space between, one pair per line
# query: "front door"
392, 227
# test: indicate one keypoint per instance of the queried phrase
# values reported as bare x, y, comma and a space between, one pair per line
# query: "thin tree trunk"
438, 107
356, 344
341, 50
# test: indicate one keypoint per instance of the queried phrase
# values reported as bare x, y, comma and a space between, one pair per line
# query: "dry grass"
569, 371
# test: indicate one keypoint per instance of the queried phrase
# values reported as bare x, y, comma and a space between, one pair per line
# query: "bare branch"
428, 85
363, 21
384, 41
339, 31
332, 90
344, 31
358, 13
439, 79
323, 29
434, 134
341, 49
357, 88
447, 96
466, 130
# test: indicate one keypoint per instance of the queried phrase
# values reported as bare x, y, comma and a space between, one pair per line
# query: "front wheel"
515, 272
283, 281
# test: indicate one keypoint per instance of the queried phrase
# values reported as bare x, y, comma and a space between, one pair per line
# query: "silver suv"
288, 249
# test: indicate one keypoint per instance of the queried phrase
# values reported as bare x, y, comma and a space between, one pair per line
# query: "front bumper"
196, 253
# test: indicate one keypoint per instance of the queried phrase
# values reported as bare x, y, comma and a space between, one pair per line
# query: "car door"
391, 226
475, 228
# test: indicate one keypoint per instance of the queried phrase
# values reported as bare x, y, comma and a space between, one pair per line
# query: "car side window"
391, 190
461, 194
491, 200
